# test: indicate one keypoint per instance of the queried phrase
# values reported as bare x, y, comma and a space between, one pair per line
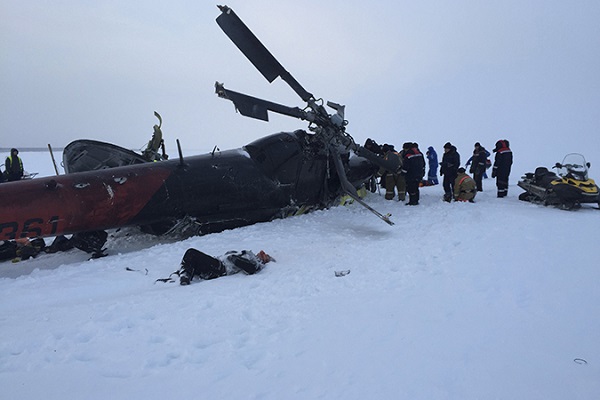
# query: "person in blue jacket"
432, 160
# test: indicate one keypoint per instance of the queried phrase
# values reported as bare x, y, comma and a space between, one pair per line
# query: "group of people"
407, 178
457, 184
13, 167
409, 174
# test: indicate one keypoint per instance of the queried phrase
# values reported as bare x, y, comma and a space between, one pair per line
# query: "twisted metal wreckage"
107, 187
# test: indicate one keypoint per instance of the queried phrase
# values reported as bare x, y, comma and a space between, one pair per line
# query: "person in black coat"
413, 170
502, 164
449, 167
478, 164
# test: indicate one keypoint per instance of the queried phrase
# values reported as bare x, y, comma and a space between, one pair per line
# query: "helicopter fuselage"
272, 177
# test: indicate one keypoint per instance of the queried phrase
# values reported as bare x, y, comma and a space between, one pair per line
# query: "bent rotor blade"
385, 218
257, 108
351, 190
341, 172
256, 52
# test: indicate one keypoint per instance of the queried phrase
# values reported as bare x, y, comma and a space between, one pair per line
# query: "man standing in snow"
413, 170
13, 166
449, 166
432, 160
502, 164
478, 165
393, 180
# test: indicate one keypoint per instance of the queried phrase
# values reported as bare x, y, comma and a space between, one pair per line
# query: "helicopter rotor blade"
254, 107
351, 190
256, 52
329, 128
341, 172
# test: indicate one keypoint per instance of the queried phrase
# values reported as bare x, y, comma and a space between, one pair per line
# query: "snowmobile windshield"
574, 166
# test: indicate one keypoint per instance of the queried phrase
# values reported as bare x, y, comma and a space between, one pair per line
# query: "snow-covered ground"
493, 300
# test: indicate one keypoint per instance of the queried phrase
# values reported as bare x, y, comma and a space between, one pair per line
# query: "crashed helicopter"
287, 173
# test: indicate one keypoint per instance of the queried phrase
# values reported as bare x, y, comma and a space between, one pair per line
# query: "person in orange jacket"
465, 187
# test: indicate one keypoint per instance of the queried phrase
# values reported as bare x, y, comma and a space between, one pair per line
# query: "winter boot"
185, 275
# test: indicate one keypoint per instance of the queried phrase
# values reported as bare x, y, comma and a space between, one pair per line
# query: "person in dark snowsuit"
502, 164
413, 170
449, 166
197, 263
393, 180
488, 163
432, 160
478, 165
13, 166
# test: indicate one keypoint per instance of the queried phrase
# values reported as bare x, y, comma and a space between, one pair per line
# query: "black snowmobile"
568, 189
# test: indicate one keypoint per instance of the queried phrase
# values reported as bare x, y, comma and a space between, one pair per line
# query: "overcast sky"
424, 71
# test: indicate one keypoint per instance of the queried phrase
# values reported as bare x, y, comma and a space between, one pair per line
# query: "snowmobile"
567, 190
